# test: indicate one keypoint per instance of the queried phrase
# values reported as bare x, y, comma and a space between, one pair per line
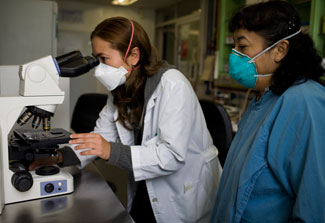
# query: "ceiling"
146, 4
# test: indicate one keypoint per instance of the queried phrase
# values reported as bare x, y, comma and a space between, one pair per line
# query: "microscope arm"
41, 78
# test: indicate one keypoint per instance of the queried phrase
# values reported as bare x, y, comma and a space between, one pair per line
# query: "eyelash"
241, 47
103, 59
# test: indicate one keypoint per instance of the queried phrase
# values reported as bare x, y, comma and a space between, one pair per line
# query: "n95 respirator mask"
110, 77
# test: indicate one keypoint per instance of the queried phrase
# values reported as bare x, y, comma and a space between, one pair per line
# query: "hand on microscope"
94, 142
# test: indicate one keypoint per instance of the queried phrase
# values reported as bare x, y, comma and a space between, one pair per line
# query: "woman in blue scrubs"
275, 169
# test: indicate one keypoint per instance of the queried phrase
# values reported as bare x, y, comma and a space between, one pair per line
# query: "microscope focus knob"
22, 180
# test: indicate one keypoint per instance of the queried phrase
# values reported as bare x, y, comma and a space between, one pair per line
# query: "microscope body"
39, 88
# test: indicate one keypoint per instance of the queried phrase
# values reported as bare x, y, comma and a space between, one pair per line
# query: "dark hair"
129, 98
274, 20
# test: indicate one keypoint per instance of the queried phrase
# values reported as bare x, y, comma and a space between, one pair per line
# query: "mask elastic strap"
134, 68
296, 33
237, 53
130, 40
262, 75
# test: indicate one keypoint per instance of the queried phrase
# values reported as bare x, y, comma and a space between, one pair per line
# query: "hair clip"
291, 23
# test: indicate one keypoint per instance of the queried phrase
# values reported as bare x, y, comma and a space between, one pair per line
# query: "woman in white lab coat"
152, 126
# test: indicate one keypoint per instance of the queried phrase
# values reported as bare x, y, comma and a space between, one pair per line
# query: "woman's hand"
96, 144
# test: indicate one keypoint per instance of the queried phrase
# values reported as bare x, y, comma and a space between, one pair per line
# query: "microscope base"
43, 186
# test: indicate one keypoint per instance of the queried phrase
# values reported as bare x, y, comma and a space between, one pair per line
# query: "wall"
28, 33
75, 23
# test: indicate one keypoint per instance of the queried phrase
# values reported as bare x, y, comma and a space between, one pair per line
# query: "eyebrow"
99, 55
240, 38
96, 55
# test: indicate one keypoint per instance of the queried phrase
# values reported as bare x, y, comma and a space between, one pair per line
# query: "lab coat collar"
150, 90
153, 81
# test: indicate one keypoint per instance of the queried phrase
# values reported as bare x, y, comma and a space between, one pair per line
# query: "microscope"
39, 94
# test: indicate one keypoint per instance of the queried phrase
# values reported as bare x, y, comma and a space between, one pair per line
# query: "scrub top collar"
264, 98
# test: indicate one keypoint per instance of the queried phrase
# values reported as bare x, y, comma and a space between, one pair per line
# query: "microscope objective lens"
36, 122
24, 117
46, 124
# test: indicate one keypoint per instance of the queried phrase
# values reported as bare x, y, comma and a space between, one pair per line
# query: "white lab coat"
176, 159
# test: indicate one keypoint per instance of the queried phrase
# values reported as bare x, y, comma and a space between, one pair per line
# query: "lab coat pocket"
193, 205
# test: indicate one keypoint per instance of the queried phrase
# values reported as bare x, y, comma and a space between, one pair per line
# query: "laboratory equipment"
39, 94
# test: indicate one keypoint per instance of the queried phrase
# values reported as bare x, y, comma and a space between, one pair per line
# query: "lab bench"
92, 201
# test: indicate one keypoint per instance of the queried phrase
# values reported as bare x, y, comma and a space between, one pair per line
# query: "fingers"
86, 141
84, 138
85, 145
84, 135
90, 151
89, 143
93, 142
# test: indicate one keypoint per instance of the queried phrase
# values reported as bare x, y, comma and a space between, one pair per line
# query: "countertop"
92, 201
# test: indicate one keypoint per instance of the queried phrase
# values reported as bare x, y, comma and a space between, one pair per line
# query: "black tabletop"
92, 201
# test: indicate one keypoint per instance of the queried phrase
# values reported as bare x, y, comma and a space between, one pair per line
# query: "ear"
134, 57
281, 50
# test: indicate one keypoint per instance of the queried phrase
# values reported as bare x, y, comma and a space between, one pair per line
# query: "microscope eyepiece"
92, 61
74, 64
68, 57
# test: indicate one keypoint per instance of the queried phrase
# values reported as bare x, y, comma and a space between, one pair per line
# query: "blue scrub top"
275, 168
